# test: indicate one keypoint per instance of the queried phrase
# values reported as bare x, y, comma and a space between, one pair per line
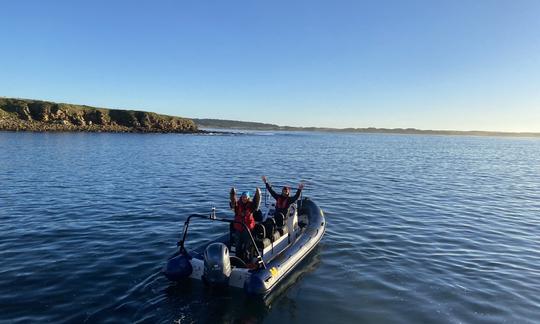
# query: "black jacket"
290, 200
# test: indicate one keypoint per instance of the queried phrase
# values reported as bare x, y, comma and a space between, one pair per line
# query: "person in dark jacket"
283, 200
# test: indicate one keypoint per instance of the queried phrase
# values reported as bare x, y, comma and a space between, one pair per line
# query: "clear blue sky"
425, 64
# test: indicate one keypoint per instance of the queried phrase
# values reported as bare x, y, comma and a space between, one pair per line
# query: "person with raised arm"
244, 208
283, 200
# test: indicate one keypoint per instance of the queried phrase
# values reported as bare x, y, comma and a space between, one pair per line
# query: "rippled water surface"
420, 228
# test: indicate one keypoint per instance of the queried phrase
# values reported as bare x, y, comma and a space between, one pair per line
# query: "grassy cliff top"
38, 115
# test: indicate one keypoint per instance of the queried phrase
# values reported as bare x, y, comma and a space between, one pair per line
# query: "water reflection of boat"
276, 251
307, 265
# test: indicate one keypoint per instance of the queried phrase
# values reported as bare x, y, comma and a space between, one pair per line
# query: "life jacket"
243, 213
282, 202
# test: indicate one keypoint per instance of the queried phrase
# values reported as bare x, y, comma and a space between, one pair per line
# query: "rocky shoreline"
44, 116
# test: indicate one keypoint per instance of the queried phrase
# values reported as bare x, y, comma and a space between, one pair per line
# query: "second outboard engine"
217, 265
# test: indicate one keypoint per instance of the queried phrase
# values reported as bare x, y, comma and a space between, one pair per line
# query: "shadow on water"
157, 300
195, 302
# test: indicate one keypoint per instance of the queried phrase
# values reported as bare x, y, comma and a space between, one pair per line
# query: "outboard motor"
217, 265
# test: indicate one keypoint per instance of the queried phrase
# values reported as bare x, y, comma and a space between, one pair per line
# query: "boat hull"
264, 280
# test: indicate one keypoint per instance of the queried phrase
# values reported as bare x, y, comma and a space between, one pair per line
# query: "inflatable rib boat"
278, 244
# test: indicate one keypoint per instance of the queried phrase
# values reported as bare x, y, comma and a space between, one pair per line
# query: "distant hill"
40, 116
234, 124
243, 125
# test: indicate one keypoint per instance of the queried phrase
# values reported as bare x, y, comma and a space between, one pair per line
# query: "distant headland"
243, 125
45, 116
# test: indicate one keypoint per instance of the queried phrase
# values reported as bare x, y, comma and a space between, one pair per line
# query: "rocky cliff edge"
41, 116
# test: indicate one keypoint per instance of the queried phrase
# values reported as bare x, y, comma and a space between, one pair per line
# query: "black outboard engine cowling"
217, 264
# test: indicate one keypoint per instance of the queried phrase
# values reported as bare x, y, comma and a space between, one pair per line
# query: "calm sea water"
420, 228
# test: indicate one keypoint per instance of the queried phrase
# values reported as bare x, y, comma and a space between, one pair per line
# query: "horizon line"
535, 133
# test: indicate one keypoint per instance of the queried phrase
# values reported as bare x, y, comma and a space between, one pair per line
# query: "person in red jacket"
244, 208
283, 200
243, 211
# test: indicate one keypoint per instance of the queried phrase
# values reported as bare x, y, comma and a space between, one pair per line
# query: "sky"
431, 64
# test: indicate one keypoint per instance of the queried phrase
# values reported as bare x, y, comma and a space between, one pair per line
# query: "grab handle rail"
212, 217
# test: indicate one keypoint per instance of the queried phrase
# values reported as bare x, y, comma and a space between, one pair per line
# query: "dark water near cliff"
420, 228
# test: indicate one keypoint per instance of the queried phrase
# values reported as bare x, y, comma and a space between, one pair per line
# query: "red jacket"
243, 213
282, 202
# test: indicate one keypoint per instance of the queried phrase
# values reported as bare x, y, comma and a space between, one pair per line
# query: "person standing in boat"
283, 200
244, 208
